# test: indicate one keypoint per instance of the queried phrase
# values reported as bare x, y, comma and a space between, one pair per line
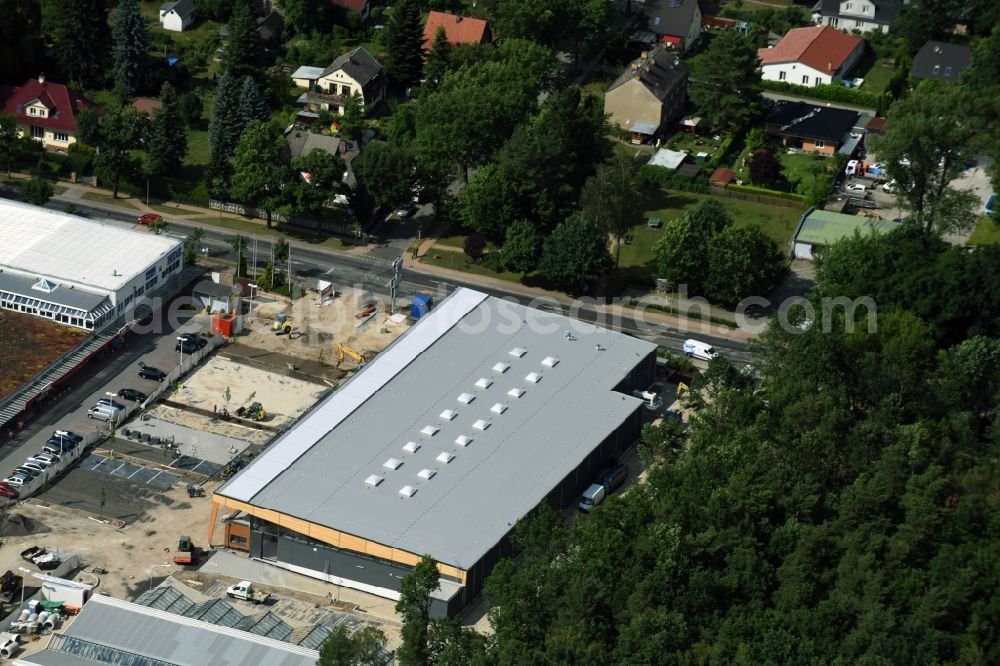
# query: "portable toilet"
421, 305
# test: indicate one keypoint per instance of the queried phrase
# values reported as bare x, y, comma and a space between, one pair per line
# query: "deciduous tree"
575, 254
123, 129
324, 181
522, 247
260, 173
414, 606
742, 262
383, 179
765, 169
610, 199
364, 647
928, 139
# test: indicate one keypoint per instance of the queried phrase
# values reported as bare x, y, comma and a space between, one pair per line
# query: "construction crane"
343, 350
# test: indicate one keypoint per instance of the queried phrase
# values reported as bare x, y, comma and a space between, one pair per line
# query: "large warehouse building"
439, 446
76, 271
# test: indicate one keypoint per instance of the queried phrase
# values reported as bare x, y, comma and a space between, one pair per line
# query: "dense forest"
842, 511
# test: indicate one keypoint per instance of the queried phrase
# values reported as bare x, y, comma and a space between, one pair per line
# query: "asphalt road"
373, 273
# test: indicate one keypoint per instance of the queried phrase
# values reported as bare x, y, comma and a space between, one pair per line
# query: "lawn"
637, 259
875, 74
460, 262
987, 232
694, 144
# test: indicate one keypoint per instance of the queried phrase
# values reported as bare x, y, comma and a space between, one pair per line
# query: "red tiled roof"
722, 176
459, 29
63, 104
146, 106
821, 47
350, 5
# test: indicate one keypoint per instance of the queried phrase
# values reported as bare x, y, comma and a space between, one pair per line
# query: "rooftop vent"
550, 361
429, 430
407, 491
533, 377
426, 474
518, 352
445, 457
466, 398
373, 480
392, 463
515, 392
498, 408
484, 382
463, 440
448, 414
501, 367
411, 447
481, 424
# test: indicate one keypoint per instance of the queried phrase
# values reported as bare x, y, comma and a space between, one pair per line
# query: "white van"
592, 496
105, 413
702, 350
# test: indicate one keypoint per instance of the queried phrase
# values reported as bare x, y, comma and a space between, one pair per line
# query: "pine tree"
244, 49
131, 45
404, 43
80, 31
438, 59
167, 140
251, 105
352, 123
223, 127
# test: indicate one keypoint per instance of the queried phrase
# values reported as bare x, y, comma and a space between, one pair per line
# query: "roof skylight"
466, 398
429, 430
484, 382
481, 424
533, 377
550, 361
445, 457
426, 474
374, 479
407, 491
498, 408
516, 392
392, 463
501, 367
518, 352
463, 440
411, 447
448, 414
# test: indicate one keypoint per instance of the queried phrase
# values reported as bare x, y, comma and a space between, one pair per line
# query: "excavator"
343, 350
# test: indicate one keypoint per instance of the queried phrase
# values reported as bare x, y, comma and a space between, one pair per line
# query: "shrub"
474, 246
830, 93
660, 177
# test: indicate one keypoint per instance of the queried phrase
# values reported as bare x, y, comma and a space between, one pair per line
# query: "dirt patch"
284, 398
126, 554
17, 525
28, 344
317, 328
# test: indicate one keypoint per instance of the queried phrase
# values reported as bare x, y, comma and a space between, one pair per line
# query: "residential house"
362, 7
648, 95
328, 89
941, 61
458, 29
269, 27
811, 56
302, 142
814, 129
177, 15
857, 15
676, 23
45, 111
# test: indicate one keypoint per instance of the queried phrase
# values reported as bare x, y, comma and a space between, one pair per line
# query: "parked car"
58, 446
889, 187
194, 338
613, 478
853, 168
14, 481
406, 211
110, 403
33, 466
858, 188
131, 394
104, 413
149, 217
47, 458
700, 350
592, 496
149, 372
26, 472
188, 346
67, 434
8, 491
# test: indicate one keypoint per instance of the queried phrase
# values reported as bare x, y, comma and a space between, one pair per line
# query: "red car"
7, 491
149, 217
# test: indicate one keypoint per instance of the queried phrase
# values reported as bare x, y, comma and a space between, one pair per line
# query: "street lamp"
252, 288
27, 571
180, 346
155, 566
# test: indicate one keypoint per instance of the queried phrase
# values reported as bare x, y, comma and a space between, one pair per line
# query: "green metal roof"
823, 227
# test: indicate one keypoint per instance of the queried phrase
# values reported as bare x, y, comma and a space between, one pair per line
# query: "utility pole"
397, 270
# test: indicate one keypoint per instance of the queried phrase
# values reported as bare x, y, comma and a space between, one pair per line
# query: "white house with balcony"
856, 15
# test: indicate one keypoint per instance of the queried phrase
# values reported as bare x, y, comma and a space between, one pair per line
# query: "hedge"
751, 189
661, 177
827, 92
727, 149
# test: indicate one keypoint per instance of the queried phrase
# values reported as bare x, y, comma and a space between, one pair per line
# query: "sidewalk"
131, 205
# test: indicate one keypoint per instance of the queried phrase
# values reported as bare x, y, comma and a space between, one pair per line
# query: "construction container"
225, 324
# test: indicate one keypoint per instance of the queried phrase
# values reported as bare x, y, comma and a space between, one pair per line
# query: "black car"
189, 346
149, 372
66, 434
193, 339
132, 394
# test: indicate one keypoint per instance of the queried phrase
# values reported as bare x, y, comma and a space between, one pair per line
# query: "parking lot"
154, 478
